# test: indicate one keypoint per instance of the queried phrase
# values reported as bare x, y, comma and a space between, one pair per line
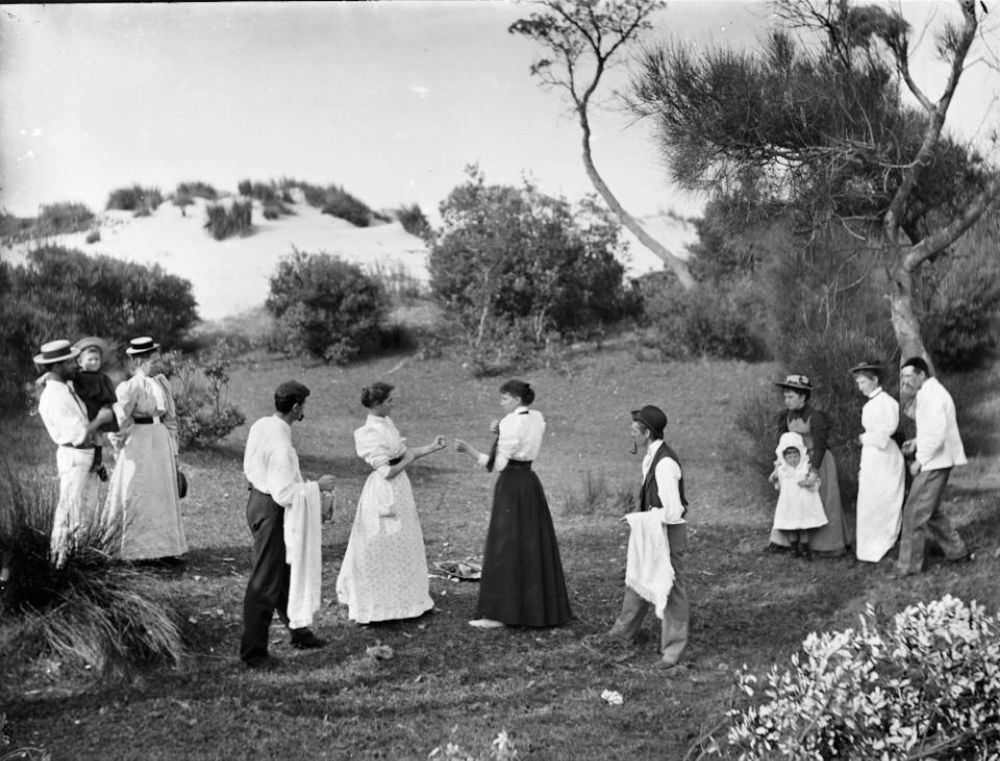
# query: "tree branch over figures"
583, 36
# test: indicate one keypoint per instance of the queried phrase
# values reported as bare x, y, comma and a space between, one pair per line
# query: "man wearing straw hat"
65, 419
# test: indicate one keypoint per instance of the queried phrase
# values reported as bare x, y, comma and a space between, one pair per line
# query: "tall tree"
583, 37
823, 127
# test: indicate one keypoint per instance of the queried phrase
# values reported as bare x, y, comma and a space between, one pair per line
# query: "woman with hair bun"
522, 582
384, 573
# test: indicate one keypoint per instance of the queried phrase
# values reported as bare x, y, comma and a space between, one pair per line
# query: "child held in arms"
96, 391
799, 509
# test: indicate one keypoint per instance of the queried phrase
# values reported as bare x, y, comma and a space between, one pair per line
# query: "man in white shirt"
937, 448
65, 419
662, 487
271, 466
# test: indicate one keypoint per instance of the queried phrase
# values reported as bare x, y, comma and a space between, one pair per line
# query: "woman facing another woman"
522, 581
384, 573
881, 475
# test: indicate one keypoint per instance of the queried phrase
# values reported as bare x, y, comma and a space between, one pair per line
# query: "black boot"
796, 549
807, 552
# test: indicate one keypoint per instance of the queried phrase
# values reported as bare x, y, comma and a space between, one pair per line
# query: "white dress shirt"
63, 413
668, 478
939, 444
520, 438
270, 462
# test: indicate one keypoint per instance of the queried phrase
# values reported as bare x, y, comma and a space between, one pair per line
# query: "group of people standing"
83, 412
809, 515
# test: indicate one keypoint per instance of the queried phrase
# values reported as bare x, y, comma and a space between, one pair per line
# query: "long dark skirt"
522, 582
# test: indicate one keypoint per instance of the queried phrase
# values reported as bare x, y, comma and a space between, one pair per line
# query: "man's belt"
77, 446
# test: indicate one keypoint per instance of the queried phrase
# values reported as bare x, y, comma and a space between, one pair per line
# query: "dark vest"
649, 495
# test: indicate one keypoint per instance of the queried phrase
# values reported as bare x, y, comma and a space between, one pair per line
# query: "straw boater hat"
139, 346
93, 342
56, 351
866, 367
797, 382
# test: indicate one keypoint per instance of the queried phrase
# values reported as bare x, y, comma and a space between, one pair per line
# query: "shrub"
93, 237
397, 281
339, 203
224, 222
196, 189
61, 218
201, 388
414, 221
326, 307
134, 198
15, 229
925, 685
91, 614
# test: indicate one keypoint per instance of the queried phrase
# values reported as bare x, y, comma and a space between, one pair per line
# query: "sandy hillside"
231, 276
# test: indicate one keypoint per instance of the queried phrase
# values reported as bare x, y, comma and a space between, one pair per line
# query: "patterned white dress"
142, 490
384, 573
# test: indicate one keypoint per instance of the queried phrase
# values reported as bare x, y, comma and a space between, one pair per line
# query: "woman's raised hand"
440, 442
461, 446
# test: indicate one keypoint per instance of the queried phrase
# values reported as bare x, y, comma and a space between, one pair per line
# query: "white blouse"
377, 442
879, 418
521, 433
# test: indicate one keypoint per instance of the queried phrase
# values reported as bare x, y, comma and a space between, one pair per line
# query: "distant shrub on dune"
14, 229
414, 221
135, 198
326, 307
341, 204
61, 218
196, 189
93, 236
224, 222
272, 197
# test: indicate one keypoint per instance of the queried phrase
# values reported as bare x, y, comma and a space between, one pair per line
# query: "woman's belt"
395, 460
519, 464
77, 446
145, 420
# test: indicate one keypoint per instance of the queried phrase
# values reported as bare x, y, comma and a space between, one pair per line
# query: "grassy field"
447, 682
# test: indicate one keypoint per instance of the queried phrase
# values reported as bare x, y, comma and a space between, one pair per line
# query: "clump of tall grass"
414, 221
224, 222
398, 283
596, 495
196, 189
92, 614
61, 218
135, 198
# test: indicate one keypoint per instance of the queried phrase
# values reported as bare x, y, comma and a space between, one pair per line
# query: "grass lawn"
447, 681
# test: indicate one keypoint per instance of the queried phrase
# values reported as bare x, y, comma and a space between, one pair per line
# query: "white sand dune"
231, 276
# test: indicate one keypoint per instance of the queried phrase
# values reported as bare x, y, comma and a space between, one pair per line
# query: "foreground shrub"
135, 198
201, 390
91, 615
326, 307
925, 685
226, 221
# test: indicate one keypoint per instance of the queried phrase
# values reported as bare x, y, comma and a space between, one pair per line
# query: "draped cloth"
648, 570
303, 553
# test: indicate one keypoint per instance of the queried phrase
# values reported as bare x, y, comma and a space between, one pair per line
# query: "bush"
62, 218
93, 237
61, 292
339, 203
201, 388
224, 222
414, 221
135, 198
92, 614
196, 189
925, 685
326, 307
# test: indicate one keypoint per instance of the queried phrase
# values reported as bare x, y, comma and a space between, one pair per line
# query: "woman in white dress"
881, 476
142, 489
384, 573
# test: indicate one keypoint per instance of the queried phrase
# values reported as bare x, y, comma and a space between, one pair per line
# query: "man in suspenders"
662, 487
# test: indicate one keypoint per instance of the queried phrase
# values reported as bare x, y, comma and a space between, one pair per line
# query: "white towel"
303, 553
647, 569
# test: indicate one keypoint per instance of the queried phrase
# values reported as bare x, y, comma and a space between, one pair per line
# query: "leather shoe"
304, 639
262, 663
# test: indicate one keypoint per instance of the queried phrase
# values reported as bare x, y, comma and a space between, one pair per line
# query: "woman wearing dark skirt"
522, 582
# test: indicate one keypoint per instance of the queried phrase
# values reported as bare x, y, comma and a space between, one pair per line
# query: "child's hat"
93, 342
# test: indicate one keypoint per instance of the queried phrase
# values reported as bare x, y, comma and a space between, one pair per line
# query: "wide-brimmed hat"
93, 342
56, 351
141, 345
866, 367
798, 382
652, 417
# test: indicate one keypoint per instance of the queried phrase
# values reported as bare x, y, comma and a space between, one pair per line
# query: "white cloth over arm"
377, 442
648, 570
303, 553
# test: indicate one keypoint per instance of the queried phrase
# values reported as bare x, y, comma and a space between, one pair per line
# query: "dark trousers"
923, 520
677, 614
267, 590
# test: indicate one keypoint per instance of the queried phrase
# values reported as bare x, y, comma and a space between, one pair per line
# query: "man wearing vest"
662, 487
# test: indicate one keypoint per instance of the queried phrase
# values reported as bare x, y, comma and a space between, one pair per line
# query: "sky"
391, 100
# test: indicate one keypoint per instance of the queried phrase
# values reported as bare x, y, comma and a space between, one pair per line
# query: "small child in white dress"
799, 509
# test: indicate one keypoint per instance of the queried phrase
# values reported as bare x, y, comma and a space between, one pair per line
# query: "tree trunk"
905, 323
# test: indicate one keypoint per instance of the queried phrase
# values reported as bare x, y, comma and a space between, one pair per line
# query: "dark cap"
291, 391
866, 367
653, 418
